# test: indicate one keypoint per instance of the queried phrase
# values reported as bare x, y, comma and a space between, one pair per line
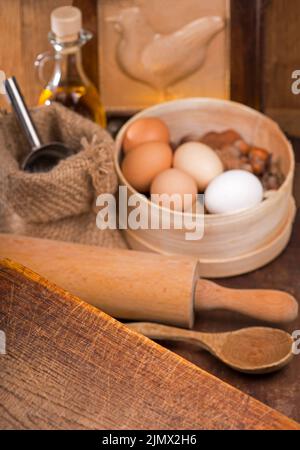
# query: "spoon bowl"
256, 349
250, 350
46, 157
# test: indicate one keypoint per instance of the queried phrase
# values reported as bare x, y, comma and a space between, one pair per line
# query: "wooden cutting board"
69, 365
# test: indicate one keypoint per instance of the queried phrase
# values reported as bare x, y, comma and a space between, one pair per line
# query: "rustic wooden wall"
265, 50
246, 52
24, 26
281, 56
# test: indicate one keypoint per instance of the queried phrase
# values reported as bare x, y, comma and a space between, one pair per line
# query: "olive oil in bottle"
69, 84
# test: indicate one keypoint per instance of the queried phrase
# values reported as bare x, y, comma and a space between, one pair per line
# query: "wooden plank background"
281, 49
265, 34
24, 28
246, 55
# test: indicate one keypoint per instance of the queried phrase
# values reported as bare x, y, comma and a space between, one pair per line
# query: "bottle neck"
68, 69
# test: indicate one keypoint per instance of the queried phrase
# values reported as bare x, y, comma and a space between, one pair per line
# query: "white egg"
233, 190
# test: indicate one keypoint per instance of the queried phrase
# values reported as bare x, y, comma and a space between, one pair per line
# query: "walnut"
259, 159
230, 157
243, 147
212, 139
229, 137
218, 140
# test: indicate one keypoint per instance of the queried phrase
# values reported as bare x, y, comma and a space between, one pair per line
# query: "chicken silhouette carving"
161, 60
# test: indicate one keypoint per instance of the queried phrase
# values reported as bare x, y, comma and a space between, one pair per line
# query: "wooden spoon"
249, 350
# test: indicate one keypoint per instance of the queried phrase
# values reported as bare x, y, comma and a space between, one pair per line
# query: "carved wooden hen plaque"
162, 50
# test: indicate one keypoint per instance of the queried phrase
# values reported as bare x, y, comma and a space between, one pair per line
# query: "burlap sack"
59, 204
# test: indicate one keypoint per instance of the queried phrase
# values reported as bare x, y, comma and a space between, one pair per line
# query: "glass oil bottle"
69, 84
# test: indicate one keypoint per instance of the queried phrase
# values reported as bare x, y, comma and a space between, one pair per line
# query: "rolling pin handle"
267, 305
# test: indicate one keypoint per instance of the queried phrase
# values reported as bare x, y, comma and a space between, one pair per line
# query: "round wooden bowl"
233, 243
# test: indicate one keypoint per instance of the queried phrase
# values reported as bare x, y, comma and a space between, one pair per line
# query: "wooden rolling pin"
141, 286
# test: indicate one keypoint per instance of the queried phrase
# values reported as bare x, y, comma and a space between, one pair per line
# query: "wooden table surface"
279, 390
70, 366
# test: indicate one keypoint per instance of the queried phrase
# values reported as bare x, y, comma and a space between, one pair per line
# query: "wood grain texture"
246, 52
261, 304
265, 48
123, 283
90, 50
250, 350
10, 19
129, 85
141, 286
279, 390
264, 38
281, 49
71, 366
24, 34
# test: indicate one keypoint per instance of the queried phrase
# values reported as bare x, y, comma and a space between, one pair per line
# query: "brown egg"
144, 162
229, 137
148, 129
174, 181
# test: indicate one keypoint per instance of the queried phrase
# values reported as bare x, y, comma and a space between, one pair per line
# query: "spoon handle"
19, 106
262, 304
206, 341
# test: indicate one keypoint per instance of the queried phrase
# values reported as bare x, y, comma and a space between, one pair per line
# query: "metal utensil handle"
16, 98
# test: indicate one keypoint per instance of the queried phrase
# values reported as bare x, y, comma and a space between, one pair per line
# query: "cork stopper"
66, 22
